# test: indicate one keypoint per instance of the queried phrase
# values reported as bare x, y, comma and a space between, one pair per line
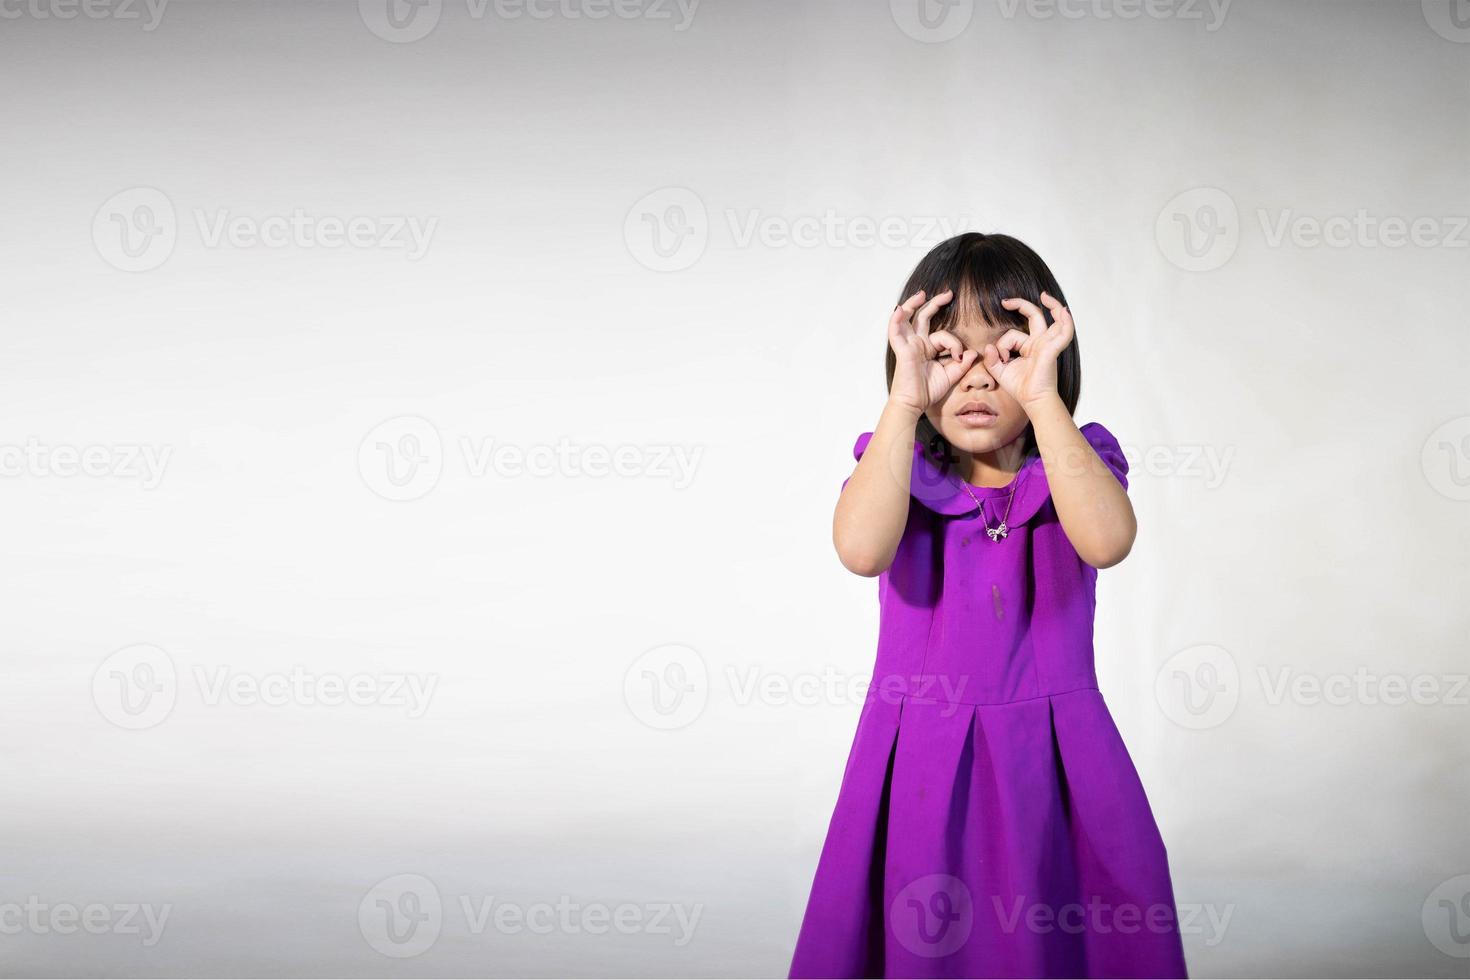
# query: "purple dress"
990, 822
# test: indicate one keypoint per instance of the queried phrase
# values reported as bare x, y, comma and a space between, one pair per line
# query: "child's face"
977, 416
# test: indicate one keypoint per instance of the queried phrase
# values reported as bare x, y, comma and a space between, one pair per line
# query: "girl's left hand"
1025, 364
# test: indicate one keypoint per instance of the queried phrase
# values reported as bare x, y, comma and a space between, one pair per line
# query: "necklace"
996, 533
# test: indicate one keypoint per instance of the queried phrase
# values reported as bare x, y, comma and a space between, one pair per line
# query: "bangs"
983, 270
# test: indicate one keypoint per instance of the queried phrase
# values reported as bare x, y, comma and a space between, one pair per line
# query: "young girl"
990, 822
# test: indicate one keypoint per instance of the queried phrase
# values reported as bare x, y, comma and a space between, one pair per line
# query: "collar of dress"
945, 493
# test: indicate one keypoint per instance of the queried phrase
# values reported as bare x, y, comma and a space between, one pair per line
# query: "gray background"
1327, 541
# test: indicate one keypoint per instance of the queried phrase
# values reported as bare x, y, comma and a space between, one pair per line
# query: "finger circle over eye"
947, 342
1012, 339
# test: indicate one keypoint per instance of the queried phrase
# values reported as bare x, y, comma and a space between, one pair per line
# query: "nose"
977, 378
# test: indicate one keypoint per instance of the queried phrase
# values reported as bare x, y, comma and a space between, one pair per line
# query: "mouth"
976, 414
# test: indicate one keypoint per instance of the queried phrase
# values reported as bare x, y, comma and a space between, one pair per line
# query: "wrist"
1044, 404
1052, 426
901, 411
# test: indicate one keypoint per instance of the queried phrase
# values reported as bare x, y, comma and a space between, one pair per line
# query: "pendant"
996, 533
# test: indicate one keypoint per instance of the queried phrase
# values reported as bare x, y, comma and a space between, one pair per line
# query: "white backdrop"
421, 427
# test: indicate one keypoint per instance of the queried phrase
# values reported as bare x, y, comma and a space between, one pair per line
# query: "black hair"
983, 270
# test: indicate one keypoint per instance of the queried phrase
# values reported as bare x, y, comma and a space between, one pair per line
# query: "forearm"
1090, 502
873, 508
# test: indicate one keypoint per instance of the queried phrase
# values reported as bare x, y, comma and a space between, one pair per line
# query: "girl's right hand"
927, 364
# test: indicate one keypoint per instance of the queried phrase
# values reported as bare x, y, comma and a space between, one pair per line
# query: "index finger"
1035, 319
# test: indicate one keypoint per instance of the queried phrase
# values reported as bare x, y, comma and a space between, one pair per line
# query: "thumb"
957, 368
992, 361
